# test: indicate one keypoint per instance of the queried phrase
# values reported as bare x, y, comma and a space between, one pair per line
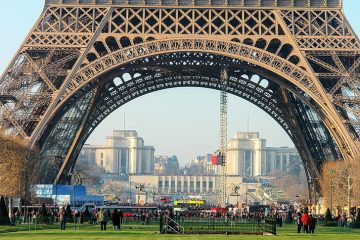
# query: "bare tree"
295, 186
117, 189
340, 184
17, 166
90, 174
17, 175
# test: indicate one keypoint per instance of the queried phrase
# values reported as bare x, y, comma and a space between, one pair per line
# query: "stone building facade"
123, 153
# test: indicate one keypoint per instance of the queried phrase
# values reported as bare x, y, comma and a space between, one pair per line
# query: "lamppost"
77, 182
246, 195
153, 195
316, 180
331, 171
57, 160
138, 193
129, 188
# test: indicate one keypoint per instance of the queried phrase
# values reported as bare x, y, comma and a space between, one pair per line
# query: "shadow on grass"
150, 232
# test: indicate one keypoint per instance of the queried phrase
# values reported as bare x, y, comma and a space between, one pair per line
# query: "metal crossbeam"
199, 3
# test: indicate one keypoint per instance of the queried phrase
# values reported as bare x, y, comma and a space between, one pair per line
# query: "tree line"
340, 185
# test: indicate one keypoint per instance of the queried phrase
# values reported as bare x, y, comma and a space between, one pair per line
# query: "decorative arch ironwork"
258, 86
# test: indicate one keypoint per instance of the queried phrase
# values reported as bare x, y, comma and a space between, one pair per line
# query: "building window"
191, 186
284, 161
172, 186
102, 162
123, 161
185, 187
210, 185
101, 155
160, 184
143, 165
198, 186
278, 161
179, 186
247, 163
268, 166
204, 186
166, 185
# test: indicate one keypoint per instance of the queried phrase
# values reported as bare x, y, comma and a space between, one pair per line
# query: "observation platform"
207, 3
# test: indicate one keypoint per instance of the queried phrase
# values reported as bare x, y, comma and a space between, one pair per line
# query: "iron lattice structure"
298, 60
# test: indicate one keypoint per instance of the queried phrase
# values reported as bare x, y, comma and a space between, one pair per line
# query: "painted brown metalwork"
298, 60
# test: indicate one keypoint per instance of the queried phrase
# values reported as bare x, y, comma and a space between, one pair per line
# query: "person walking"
115, 217
299, 222
305, 219
101, 218
62, 218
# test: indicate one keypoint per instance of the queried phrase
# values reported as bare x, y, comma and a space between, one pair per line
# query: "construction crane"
219, 158
223, 133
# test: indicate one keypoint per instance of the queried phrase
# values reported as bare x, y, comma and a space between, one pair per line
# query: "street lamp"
129, 188
316, 180
57, 160
331, 171
138, 193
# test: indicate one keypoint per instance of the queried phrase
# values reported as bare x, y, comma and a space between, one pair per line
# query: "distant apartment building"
124, 152
192, 184
249, 156
166, 165
201, 165
281, 159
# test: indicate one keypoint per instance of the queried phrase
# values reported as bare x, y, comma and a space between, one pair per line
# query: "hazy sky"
183, 121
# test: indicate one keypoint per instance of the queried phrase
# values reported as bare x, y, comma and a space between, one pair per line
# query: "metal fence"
270, 226
194, 225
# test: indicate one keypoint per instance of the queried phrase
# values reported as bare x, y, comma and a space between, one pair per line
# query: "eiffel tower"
298, 60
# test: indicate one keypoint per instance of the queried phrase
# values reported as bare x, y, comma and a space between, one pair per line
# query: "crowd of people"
305, 221
66, 214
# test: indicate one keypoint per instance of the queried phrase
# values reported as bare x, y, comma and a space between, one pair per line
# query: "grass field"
150, 232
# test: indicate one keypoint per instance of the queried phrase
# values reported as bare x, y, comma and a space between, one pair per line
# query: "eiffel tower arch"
298, 60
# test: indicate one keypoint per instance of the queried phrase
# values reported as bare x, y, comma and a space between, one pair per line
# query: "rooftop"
207, 3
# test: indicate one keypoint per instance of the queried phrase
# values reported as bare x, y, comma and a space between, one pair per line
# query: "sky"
182, 121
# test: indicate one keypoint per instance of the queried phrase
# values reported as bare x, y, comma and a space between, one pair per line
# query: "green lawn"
150, 232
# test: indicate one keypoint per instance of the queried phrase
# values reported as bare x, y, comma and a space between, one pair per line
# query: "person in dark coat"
312, 224
115, 217
68, 211
62, 218
43, 213
299, 222
121, 217
86, 214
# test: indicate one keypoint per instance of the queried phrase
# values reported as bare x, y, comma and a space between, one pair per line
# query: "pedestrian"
62, 218
87, 215
305, 219
101, 218
115, 217
147, 219
81, 217
312, 224
121, 217
299, 222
